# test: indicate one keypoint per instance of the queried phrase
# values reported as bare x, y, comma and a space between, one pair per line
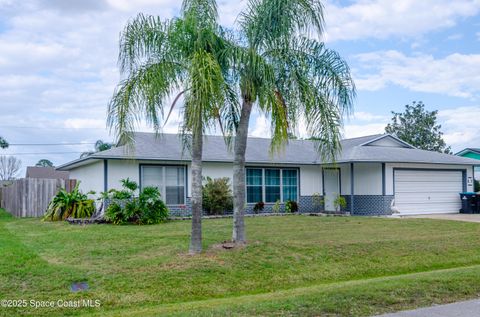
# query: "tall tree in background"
9, 167
44, 163
188, 55
99, 147
3, 143
418, 127
288, 76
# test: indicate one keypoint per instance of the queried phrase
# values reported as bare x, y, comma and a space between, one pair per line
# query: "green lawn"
294, 265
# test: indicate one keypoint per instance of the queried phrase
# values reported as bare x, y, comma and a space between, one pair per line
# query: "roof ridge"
263, 138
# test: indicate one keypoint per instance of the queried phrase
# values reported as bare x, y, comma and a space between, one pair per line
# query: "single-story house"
473, 153
372, 173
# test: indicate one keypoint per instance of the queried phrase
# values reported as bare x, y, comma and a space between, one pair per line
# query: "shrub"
340, 203
276, 207
69, 204
217, 196
317, 202
258, 207
114, 213
291, 206
124, 207
152, 208
476, 186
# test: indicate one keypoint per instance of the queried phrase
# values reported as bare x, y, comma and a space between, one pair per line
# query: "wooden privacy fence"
29, 197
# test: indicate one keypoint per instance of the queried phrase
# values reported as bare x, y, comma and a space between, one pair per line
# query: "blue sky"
58, 66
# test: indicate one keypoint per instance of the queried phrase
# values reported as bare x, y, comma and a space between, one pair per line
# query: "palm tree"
188, 56
289, 76
3, 143
99, 147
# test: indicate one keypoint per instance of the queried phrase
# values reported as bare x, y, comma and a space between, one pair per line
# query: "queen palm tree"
99, 147
288, 76
183, 57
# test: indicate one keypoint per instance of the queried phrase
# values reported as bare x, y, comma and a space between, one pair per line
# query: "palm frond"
141, 97
267, 21
144, 37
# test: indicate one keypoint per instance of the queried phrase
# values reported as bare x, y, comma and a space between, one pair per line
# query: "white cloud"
357, 130
367, 116
385, 18
460, 126
453, 75
454, 37
260, 125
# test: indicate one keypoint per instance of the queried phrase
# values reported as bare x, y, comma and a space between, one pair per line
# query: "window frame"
262, 187
263, 168
163, 191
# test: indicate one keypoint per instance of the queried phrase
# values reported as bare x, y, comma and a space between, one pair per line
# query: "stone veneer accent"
305, 205
369, 205
365, 205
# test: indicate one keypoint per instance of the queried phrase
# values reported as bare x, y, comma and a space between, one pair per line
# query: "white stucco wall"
367, 178
218, 170
310, 180
345, 179
120, 169
390, 166
90, 177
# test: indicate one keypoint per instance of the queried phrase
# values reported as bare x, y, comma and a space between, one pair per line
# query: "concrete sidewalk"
458, 217
469, 308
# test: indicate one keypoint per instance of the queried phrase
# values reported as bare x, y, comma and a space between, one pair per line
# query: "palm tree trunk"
239, 189
197, 146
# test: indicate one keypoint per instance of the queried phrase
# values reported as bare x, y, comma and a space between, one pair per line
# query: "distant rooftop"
45, 172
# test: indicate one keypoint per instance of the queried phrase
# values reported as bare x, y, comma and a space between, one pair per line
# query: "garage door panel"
428, 208
432, 191
405, 187
426, 197
452, 176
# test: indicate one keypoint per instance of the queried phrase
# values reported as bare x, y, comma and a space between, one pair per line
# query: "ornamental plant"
73, 204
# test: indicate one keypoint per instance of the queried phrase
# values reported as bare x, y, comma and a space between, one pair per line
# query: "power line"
49, 144
38, 153
51, 128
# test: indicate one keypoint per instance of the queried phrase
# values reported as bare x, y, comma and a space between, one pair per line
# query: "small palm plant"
73, 204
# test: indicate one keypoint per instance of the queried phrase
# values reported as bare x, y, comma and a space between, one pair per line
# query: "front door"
331, 185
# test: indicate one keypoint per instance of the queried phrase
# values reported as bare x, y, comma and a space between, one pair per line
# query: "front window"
170, 181
271, 184
254, 185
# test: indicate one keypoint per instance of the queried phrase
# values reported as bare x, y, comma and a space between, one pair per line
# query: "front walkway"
469, 308
458, 217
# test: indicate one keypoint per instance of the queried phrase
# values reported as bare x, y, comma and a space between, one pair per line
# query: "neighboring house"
370, 173
473, 153
45, 172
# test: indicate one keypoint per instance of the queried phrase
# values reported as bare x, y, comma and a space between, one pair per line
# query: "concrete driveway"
469, 308
458, 217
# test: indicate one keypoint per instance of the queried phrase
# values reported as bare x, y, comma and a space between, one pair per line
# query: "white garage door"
427, 192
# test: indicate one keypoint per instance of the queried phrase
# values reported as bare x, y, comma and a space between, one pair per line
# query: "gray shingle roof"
148, 146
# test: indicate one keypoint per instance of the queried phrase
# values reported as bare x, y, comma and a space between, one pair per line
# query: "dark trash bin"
470, 203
